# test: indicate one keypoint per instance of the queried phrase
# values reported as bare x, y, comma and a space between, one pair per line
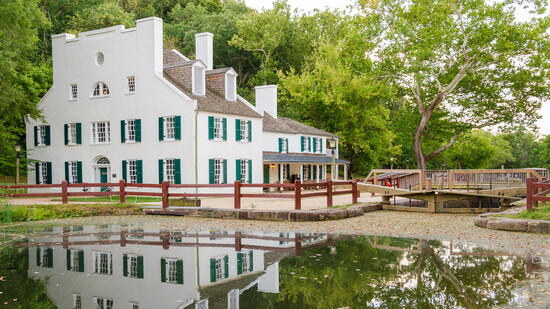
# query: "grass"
538, 213
24, 213
114, 198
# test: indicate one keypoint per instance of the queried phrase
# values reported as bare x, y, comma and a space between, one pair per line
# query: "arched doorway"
102, 170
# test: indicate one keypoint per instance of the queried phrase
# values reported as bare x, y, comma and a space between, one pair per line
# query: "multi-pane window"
74, 91
286, 171
217, 128
103, 303
72, 134
169, 128
133, 265
100, 89
131, 84
169, 170
42, 135
132, 171
103, 263
130, 131
134, 305
43, 172
305, 143
217, 171
307, 171
244, 262
77, 301
244, 170
243, 130
44, 257
75, 260
101, 132
317, 145
283, 144
219, 268
172, 270
73, 172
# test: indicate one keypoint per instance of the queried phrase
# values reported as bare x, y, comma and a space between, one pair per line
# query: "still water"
124, 266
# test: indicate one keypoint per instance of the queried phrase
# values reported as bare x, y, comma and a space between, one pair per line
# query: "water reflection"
131, 267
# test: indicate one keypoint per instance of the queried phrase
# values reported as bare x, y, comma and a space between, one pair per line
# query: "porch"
287, 168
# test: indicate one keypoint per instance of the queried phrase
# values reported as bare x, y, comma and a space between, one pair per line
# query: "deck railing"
327, 188
537, 191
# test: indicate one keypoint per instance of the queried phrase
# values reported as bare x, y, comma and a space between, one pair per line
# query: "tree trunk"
420, 158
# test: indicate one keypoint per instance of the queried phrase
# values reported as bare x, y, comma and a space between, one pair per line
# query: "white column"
302, 172
345, 172
336, 172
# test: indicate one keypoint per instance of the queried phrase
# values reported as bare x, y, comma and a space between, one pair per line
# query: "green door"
266, 173
103, 177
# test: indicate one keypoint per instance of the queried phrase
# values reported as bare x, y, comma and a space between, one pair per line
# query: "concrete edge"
516, 225
267, 215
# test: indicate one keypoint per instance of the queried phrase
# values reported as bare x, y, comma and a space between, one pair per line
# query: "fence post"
529, 189
329, 193
237, 195
354, 192
165, 201
122, 190
297, 195
64, 192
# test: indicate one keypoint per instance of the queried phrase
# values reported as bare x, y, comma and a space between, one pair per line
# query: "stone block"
481, 222
268, 215
507, 224
539, 226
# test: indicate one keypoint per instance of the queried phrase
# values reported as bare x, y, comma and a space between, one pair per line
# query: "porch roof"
296, 158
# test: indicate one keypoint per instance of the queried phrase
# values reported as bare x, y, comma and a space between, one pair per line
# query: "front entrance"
103, 177
102, 169
266, 173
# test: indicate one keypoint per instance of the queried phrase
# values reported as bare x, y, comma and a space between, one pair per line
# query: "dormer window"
198, 80
230, 87
100, 90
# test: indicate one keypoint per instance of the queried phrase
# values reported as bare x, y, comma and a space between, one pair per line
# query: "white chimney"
204, 49
266, 99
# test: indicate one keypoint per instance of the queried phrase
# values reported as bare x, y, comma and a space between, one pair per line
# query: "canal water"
127, 266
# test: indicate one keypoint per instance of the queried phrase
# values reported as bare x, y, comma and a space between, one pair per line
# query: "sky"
309, 5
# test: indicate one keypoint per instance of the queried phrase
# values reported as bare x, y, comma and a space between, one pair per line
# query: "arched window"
103, 161
100, 89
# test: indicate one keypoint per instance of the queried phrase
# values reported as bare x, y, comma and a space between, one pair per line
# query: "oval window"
100, 58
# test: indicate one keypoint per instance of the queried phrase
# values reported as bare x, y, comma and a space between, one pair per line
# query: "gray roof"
299, 158
215, 102
287, 125
217, 71
171, 59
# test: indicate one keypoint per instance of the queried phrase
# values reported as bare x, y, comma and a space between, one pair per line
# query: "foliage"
129, 199
103, 15
18, 289
460, 64
538, 213
541, 154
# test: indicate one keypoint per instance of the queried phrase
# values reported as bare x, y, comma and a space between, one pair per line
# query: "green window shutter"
49, 170
226, 266
37, 256
177, 128
49, 252
79, 171
237, 130
67, 171
224, 126
251, 260
309, 143
238, 170
210, 127
125, 265
302, 140
315, 145
79, 133
309, 172
162, 270
137, 125
211, 171
123, 131
212, 270
321, 172
224, 171
314, 172
280, 144
250, 130
125, 170
179, 272
161, 128
177, 171
37, 172
140, 273
35, 136
81, 261
139, 171
66, 133
249, 171
161, 172
68, 259
239, 263
48, 139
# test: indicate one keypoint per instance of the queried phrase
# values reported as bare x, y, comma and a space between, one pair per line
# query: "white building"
121, 107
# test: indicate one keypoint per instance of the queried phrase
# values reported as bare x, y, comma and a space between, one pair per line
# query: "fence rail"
537, 191
119, 189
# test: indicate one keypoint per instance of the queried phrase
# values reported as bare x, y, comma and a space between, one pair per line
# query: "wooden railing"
537, 191
120, 189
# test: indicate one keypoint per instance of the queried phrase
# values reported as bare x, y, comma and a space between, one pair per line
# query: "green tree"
329, 95
461, 64
523, 146
100, 16
541, 155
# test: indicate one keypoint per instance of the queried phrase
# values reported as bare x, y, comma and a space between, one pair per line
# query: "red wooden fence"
536, 192
165, 194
